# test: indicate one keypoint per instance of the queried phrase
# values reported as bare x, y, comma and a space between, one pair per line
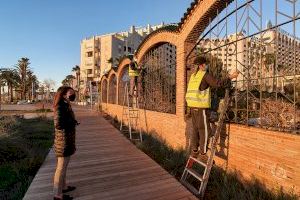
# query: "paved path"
107, 166
26, 107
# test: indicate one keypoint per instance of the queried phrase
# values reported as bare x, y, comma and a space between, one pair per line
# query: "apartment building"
256, 57
231, 52
100, 53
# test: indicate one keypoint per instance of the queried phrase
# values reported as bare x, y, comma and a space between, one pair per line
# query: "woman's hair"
61, 91
199, 60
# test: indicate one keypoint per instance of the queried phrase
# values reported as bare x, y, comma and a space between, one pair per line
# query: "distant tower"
149, 29
269, 24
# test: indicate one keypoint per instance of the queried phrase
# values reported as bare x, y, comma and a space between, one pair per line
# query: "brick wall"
271, 157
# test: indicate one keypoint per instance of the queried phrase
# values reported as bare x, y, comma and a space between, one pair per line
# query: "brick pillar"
180, 81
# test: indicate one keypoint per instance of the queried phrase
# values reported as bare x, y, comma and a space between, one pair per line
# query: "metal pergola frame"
159, 79
248, 22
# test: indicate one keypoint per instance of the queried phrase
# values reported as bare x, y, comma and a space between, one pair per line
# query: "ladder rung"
195, 174
133, 110
198, 161
136, 139
128, 113
190, 187
130, 118
127, 131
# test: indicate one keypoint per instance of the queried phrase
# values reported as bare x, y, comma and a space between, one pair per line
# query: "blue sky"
48, 32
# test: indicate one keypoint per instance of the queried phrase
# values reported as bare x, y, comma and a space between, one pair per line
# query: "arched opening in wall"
112, 89
266, 55
158, 78
104, 91
123, 79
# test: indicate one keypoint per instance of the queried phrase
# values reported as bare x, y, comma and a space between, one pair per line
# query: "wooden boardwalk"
107, 166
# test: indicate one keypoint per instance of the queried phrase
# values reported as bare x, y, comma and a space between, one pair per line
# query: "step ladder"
131, 114
202, 176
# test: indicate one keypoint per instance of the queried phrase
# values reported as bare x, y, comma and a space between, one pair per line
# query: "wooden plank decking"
107, 166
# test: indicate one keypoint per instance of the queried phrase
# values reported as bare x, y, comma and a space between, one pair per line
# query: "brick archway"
198, 17
104, 89
156, 38
173, 128
112, 87
184, 37
122, 65
194, 22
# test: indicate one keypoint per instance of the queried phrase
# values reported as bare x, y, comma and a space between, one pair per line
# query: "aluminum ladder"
203, 176
131, 114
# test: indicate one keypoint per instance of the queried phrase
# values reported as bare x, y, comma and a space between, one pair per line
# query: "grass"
222, 185
20, 112
22, 151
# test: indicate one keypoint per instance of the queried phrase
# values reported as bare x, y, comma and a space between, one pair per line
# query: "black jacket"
64, 123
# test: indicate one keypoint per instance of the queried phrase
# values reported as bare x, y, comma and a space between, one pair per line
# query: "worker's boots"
195, 153
202, 157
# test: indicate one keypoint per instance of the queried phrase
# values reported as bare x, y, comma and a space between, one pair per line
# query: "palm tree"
111, 60
65, 82
11, 77
2, 83
269, 63
31, 84
68, 80
76, 69
22, 68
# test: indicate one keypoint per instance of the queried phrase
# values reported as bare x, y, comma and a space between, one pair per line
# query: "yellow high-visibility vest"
132, 72
194, 97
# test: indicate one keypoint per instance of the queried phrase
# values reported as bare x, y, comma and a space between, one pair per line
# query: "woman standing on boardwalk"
64, 142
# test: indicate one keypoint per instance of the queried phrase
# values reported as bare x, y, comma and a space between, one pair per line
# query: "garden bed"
24, 144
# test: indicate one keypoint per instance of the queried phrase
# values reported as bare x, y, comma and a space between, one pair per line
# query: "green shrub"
21, 155
8, 175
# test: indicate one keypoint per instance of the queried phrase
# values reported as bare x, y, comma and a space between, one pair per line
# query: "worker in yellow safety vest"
134, 72
198, 99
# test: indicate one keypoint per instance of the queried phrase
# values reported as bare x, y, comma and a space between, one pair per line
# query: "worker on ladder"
134, 73
198, 99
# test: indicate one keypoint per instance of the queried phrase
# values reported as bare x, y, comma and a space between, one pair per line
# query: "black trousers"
133, 84
201, 129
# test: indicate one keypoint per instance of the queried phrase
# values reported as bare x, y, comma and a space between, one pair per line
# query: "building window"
89, 54
89, 71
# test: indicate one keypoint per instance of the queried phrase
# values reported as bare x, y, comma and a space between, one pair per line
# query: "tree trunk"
11, 94
8, 91
24, 90
79, 87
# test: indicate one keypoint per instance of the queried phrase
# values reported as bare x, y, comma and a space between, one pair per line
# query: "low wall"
271, 157
168, 126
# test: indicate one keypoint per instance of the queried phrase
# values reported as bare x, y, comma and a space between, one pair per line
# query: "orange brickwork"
272, 157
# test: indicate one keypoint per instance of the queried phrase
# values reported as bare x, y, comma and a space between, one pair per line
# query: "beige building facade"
98, 54
258, 57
